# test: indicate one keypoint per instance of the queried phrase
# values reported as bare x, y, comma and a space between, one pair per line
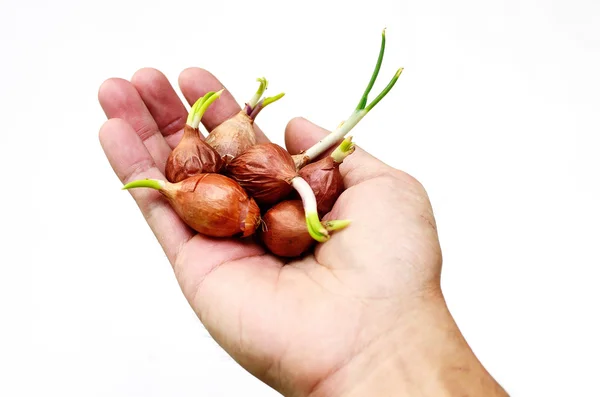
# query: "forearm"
426, 356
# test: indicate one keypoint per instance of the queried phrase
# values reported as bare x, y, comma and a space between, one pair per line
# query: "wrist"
425, 355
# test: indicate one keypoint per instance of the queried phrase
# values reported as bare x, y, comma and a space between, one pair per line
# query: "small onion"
233, 136
324, 176
192, 156
211, 204
265, 171
236, 134
284, 232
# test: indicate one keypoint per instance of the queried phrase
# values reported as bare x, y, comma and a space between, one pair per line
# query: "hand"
364, 315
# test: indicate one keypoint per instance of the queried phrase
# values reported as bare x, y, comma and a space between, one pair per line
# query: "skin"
364, 315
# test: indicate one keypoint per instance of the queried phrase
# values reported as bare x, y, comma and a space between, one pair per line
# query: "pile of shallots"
228, 185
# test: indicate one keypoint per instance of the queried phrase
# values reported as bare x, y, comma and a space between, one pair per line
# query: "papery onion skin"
211, 204
192, 156
265, 171
215, 205
284, 232
326, 181
233, 137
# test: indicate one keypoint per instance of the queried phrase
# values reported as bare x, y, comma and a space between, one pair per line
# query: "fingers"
301, 134
131, 160
195, 82
120, 99
163, 103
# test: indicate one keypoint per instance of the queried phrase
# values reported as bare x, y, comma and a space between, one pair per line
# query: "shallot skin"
284, 232
326, 181
265, 171
192, 156
215, 205
233, 137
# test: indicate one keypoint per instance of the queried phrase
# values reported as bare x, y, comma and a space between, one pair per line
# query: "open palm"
294, 325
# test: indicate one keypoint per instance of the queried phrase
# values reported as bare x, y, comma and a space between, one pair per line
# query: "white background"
497, 113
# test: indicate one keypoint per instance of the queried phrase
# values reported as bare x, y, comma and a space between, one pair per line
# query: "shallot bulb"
233, 136
265, 171
236, 134
284, 232
211, 204
324, 176
193, 156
